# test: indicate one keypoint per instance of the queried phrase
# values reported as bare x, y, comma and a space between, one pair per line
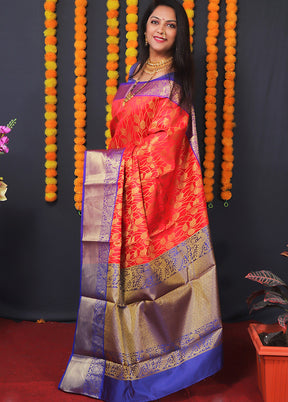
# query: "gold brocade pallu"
148, 322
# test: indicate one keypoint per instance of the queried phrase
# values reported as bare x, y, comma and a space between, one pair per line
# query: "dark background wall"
40, 242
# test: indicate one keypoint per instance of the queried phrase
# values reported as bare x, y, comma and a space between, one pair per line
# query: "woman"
148, 322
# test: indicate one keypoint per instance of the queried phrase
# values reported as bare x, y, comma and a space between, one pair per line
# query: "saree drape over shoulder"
149, 321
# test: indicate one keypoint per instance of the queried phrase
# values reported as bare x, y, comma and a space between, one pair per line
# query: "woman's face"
161, 31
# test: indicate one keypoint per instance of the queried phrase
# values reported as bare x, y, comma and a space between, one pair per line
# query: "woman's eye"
154, 22
172, 26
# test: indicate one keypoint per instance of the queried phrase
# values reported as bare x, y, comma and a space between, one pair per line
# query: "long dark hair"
182, 57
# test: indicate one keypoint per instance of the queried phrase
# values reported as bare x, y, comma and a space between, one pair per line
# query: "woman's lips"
159, 39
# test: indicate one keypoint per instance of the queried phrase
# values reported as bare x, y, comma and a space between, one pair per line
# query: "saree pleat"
149, 321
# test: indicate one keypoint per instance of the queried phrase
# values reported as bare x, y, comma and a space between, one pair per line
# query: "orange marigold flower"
80, 54
79, 98
51, 188
49, 6
211, 91
131, 27
112, 65
209, 173
211, 131
50, 40
51, 124
50, 74
227, 165
209, 150
79, 164
210, 105
226, 195
133, 9
210, 140
112, 13
50, 56
51, 156
80, 36
211, 82
50, 24
78, 197
209, 197
80, 123
50, 140
50, 172
112, 31
50, 91
208, 180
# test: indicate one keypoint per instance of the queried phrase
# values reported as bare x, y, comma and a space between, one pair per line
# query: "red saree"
149, 321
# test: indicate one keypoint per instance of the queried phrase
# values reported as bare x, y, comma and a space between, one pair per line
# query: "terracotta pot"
272, 365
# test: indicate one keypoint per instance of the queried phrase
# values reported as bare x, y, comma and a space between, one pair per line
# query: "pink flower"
3, 141
4, 130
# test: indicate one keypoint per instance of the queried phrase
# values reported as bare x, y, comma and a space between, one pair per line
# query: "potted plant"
271, 341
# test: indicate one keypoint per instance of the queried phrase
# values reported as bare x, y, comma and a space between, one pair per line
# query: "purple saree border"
168, 382
93, 383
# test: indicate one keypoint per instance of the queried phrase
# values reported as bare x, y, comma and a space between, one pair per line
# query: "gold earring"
146, 41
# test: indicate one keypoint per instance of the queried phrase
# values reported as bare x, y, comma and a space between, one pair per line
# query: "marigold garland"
112, 60
210, 99
131, 35
50, 100
229, 100
79, 98
189, 5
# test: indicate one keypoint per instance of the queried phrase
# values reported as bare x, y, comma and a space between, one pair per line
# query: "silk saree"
149, 322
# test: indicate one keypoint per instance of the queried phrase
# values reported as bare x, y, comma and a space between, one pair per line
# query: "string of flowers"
132, 34
210, 99
112, 60
229, 100
50, 100
189, 5
4, 140
79, 98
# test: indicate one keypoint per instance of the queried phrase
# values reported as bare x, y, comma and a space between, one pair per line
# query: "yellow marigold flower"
51, 99
113, 75
50, 32
132, 18
108, 134
51, 148
131, 52
112, 4
50, 164
50, 82
50, 116
112, 57
190, 13
112, 22
132, 35
50, 49
132, 2
50, 180
50, 131
50, 65
112, 40
111, 90
49, 15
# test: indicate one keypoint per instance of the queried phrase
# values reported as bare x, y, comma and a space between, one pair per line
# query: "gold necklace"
159, 64
151, 68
